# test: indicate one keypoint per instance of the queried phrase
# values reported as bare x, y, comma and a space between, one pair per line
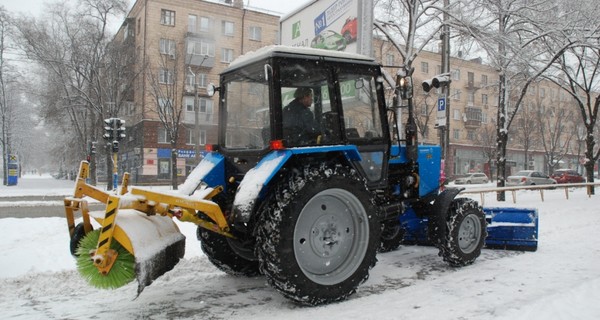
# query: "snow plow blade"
507, 228
512, 228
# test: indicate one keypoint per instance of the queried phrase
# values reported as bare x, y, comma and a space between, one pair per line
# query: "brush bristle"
122, 272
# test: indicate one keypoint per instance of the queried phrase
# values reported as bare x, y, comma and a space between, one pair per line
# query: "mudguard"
211, 170
253, 186
441, 205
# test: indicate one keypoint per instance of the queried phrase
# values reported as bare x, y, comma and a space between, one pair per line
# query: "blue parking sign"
441, 105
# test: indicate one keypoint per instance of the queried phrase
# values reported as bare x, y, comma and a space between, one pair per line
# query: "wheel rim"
469, 234
331, 236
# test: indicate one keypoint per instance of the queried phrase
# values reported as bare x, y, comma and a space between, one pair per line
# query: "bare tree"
166, 81
554, 134
72, 47
521, 39
580, 71
526, 130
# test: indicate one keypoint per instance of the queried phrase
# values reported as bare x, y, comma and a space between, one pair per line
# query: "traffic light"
93, 148
108, 130
120, 129
436, 82
114, 129
115, 146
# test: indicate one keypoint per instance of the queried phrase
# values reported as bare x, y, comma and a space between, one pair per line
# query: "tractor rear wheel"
318, 235
465, 233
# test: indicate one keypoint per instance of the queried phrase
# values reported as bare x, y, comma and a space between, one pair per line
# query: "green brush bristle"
122, 272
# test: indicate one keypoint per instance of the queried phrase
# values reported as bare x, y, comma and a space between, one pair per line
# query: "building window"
192, 23
471, 98
167, 46
162, 135
206, 106
167, 17
199, 47
542, 92
484, 99
227, 28
188, 103
226, 55
456, 114
456, 74
205, 24
389, 59
470, 135
256, 33
202, 79
165, 76
456, 95
424, 110
484, 80
456, 134
424, 67
192, 137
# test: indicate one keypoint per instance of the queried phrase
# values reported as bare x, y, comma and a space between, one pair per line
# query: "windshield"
246, 102
522, 173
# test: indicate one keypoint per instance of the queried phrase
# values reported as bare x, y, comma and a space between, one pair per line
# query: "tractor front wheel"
465, 233
318, 236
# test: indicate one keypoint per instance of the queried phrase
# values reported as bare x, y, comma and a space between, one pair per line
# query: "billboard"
342, 25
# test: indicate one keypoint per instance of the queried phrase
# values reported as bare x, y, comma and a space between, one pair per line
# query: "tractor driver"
299, 125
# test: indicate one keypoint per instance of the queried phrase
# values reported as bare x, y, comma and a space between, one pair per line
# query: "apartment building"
473, 110
180, 47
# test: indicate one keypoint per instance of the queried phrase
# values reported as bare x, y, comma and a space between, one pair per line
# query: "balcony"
203, 118
472, 117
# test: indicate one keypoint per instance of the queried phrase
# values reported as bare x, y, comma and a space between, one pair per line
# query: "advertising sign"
341, 25
13, 170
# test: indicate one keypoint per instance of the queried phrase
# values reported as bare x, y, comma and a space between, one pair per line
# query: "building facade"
181, 46
473, 110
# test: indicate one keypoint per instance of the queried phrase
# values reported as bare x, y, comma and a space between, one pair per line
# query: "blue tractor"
309, 205
313, 175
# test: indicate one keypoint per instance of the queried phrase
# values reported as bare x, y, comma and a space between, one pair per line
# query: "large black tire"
318, 235
465, 233
220, 253
392, 235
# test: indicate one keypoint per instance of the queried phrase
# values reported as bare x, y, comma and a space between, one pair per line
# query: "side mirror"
211, 89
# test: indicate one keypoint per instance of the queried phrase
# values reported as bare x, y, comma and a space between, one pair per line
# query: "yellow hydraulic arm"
149, 202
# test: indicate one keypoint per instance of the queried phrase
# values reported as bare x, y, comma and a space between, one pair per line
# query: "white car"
472, 178
529, 178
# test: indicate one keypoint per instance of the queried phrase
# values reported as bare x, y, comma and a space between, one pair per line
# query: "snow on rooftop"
268, 51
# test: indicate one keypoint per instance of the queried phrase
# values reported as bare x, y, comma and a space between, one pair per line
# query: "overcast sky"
36, 6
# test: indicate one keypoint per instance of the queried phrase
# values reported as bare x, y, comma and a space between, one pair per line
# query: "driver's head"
304, 95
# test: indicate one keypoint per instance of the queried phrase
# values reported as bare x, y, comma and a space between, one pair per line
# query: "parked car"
329, 40
529, 178
472, 178
567, 176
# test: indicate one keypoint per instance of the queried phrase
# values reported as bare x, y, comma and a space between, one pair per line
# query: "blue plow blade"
508, 228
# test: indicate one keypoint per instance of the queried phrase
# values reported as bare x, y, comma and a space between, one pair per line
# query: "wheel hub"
330, 235
468, 233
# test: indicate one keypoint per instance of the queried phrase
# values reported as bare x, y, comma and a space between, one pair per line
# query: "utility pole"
445, 134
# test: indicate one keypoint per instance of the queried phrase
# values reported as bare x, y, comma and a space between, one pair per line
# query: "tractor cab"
345, 106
